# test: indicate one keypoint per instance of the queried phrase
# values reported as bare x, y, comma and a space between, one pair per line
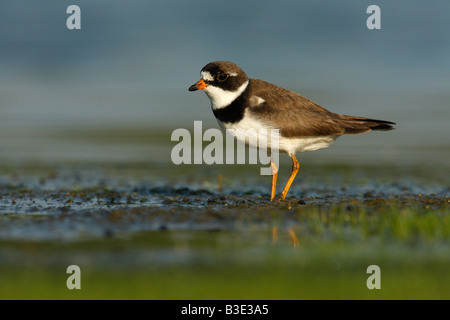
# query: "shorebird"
242, 103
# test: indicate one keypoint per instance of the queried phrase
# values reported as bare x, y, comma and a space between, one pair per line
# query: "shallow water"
70, 203
181, 232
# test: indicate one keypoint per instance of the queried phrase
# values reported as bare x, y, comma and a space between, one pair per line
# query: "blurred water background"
116, 89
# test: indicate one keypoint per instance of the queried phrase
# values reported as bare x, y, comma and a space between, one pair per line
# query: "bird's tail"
355, 125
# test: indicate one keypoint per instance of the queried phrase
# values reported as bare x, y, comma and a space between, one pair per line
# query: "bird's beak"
200, 85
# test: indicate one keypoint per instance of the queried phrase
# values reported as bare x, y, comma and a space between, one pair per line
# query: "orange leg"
295, 167
274, 179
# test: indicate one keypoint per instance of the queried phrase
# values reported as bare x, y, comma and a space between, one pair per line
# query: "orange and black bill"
200, 85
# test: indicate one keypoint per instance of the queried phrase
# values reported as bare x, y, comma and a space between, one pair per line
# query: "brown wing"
297, 116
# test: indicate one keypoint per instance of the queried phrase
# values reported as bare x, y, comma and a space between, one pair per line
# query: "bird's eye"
222, 76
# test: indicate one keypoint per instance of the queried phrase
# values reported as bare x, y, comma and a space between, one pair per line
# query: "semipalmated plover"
242, 103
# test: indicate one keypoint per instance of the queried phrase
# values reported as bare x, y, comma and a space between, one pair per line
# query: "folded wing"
301, 117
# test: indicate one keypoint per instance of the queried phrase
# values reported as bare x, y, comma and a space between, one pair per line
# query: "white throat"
221, 98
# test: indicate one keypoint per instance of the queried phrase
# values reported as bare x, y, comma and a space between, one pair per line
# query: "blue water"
131, 64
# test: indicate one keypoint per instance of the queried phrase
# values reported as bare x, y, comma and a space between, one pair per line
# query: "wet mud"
76, 203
